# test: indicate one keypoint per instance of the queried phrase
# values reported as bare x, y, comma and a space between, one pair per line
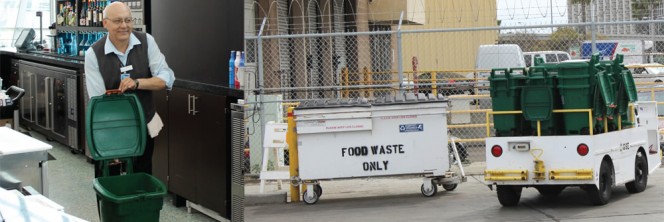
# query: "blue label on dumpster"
407, 128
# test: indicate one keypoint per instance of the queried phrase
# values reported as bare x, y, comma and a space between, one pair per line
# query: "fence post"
261, 86
592, 29
400, 54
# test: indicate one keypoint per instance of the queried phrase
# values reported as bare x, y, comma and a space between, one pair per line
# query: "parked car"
548, 56
650, 69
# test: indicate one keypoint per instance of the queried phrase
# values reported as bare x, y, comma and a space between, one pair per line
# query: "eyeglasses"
120, 20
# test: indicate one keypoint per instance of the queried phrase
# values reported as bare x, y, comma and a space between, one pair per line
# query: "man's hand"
127, 84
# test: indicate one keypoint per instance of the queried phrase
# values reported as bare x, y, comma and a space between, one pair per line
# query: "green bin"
575, 84
539, 97
116, 129
505, 89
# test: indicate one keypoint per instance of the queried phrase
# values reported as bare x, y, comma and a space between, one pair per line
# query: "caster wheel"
318, 189
449, 187
312, 200
429, 192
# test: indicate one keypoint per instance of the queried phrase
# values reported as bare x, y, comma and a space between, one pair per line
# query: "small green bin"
505, 89
116, 129
132, 197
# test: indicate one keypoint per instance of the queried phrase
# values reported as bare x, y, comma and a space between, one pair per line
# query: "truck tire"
508, 196
640, 175
601, 195
550, 191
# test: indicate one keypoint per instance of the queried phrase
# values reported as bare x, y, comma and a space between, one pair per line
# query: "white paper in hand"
155, 125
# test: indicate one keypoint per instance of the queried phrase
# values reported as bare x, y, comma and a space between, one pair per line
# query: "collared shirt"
94, 81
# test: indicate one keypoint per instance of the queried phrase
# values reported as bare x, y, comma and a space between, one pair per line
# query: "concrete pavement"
399, 199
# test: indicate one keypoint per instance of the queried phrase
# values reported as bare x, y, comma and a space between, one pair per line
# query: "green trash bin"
574, 83
116, 129
505, 90
539, 97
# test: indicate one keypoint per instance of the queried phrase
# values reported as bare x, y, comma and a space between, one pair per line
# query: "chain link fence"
455, 62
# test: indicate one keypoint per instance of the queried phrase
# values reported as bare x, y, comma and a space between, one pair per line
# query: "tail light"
496, 151
582, 149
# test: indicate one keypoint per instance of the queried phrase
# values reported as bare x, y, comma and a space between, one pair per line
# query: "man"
129, 61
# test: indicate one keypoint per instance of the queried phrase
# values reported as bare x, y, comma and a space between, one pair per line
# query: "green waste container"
505, 90
574, 84
116, 129
539, 97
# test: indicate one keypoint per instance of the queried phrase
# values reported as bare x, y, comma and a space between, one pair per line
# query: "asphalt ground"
400, 199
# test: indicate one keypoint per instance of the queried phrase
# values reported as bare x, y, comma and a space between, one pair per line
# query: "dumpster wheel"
312, 200
429, 192
450, 187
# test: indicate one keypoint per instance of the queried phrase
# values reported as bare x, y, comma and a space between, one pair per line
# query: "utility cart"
385, 137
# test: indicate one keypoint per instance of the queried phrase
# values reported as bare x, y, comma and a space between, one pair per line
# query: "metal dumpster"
389, 136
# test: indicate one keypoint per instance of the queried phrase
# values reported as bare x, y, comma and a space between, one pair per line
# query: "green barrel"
574, 84
539, 97
505, 89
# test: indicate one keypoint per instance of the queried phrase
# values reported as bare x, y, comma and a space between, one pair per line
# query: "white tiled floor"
70, 185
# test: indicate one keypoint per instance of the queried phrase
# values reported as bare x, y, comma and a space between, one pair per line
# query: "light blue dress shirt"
94, 81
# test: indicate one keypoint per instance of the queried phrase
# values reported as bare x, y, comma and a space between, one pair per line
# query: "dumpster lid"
115, 126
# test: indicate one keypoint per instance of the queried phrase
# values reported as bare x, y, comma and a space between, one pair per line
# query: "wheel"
550, 190
449, 187
601, 195
508, 196
318, 189
430, 192
640, 175
311, 200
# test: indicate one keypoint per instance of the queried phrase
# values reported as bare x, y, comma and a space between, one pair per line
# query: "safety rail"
578, 174
539, 133
502, 175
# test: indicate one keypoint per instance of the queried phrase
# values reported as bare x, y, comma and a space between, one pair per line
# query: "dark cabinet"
49, 105
199, 147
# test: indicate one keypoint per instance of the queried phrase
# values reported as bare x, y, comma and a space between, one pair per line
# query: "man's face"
119, 23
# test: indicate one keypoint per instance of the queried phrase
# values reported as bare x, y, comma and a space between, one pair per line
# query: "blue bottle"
231, 70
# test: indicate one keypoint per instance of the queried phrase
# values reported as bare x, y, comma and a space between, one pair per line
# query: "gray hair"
105, 14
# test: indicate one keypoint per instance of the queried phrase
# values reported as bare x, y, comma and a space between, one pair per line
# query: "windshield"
655, 70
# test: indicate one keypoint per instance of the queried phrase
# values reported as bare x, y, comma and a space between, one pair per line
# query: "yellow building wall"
449, 50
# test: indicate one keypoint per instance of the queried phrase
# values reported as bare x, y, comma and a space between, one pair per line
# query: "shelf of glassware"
75, 42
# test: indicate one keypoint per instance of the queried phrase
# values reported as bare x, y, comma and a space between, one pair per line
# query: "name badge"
126, 68
124, 75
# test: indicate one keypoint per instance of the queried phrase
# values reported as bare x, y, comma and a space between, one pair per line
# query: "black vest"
110, 64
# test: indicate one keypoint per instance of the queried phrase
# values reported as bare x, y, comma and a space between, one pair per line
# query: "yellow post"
606, 125
539, 128
619, 121
345, 71
590, 121
291, 139
365, 72
488, 124
433, 83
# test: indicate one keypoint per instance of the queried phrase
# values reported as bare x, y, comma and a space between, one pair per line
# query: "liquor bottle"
72, 16
88, 12
60, 20
241, 72
231, 70
95, 16
100, 13
81, 21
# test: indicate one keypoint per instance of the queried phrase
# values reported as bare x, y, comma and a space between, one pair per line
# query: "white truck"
635, 51
596, 163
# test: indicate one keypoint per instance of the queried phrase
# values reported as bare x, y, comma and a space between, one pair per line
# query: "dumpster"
505, 89
575, 85
388, 136
129, 197
539, 97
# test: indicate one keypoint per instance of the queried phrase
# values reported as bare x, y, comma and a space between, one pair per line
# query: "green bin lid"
572, 65
115, 127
